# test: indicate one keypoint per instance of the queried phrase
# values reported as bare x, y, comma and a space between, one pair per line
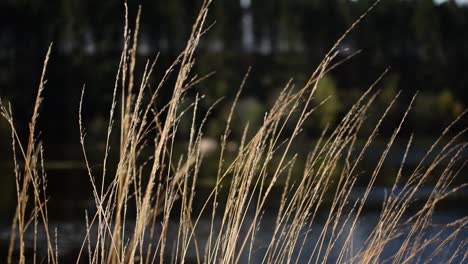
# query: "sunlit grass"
150, 190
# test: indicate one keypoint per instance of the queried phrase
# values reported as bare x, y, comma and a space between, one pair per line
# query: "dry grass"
154, 184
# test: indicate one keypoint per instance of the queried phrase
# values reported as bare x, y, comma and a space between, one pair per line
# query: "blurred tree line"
423, 42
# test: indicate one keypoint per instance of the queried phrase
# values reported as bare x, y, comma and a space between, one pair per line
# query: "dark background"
424, 43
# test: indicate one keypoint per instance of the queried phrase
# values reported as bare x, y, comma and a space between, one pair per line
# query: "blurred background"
424, 43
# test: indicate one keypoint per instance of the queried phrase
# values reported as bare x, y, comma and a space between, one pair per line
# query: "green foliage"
327, 113
390, 89
447, 104
430, 107
250, 111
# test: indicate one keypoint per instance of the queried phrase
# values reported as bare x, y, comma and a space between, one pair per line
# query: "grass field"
151, 190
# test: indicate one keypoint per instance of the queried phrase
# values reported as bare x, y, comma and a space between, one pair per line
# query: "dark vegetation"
423, 43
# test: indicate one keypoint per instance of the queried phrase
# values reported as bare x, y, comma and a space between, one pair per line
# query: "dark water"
71, 234
68, 223
70, 195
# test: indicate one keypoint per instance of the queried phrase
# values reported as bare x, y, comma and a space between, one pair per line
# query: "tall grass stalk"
162, 185
32, 175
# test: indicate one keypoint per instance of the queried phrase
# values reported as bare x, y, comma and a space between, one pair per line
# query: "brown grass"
249, 178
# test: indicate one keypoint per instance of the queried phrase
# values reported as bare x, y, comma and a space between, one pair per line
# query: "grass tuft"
152, 179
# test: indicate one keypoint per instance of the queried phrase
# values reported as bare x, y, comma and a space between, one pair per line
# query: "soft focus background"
424, 42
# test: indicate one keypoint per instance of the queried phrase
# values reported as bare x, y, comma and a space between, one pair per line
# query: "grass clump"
137, 199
